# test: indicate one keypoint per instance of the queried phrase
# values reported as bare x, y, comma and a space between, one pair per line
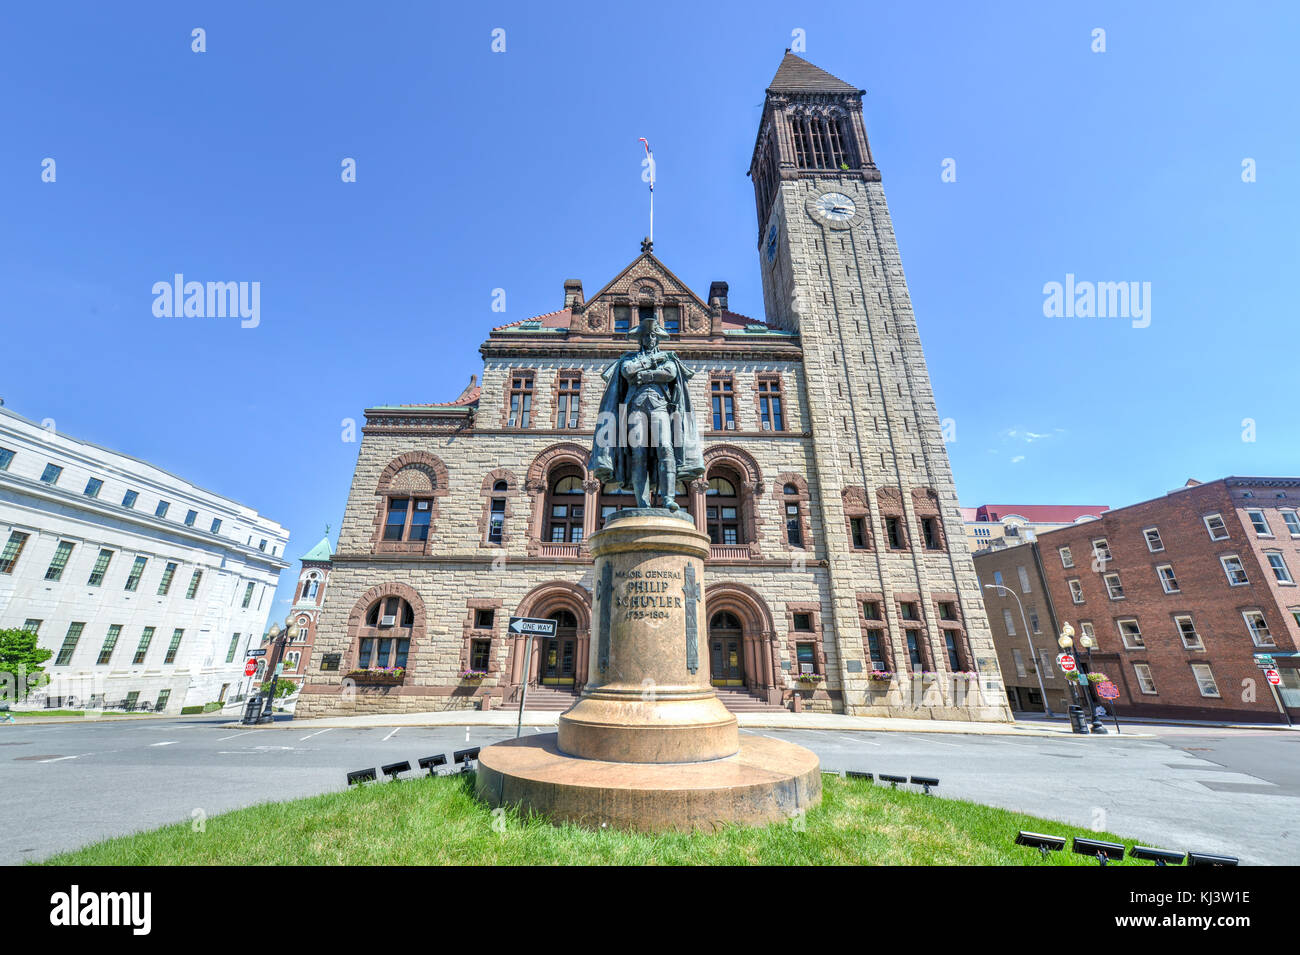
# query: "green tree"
20, 664
283, 687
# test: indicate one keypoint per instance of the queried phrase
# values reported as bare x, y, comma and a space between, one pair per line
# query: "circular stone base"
767, 781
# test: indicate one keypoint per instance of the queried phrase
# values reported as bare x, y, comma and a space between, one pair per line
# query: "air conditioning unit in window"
388, 620
805, 668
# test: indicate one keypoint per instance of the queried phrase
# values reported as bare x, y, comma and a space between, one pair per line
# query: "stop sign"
1273, 677
1067, 662
250, 668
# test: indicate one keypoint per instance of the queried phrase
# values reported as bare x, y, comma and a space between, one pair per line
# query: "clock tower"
904, 595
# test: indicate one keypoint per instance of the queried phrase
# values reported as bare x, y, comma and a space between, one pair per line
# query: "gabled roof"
797, 75
322, 551
643, 257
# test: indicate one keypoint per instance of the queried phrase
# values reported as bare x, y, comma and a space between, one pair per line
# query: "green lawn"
424, 821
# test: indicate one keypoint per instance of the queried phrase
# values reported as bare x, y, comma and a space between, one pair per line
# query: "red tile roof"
1040, 513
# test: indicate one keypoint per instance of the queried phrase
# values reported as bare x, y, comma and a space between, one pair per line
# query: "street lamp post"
279, 638
1065, 642
1033, 654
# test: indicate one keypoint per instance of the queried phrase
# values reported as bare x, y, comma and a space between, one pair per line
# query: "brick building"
838, 550
1181, 593
308, 599
1024, 627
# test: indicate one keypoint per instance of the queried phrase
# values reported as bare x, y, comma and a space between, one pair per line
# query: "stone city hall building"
839, 572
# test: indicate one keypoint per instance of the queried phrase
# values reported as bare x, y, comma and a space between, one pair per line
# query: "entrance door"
724, 650
558, 652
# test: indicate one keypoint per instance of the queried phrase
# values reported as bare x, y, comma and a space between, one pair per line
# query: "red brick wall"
1204, 593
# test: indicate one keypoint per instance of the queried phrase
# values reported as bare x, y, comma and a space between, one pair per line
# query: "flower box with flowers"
880, 676
809, 679
472, 676
378, 676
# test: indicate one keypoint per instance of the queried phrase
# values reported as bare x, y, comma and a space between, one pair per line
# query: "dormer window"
672, 319
622, 319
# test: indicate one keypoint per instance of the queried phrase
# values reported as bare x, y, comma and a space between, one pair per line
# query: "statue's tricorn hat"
648, 324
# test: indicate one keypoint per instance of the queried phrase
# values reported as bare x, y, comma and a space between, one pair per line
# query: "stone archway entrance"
557, 659
726, 641
560, 663
741, 634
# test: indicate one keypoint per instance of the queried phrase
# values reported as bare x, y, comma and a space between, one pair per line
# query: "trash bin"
1078, 719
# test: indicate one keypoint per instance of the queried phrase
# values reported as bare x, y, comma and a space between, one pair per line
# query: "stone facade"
855, 449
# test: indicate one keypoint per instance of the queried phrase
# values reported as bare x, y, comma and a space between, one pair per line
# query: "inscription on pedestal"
644, 594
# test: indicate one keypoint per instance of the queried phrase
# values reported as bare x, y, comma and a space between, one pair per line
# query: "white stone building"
146, 587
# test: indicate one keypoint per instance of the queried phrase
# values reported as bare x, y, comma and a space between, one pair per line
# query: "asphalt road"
1230, 791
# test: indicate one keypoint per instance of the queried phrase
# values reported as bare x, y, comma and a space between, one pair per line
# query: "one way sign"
534, 626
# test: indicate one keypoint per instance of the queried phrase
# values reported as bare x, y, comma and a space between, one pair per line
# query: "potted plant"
378, 676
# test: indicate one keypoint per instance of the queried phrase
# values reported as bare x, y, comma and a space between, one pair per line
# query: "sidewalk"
787, 721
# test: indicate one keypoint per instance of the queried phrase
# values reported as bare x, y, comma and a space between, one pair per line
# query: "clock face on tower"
836, 206
772, 233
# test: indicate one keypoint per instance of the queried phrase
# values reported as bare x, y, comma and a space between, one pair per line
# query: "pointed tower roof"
797, 75
322, 552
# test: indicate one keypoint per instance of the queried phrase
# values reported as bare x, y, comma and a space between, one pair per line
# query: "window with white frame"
1233, 569
1259, 522
1277, 564
1024, 580
1101, 551
1167, 579
1131, 634
1085, 628
1008, 622
1076, 590
1045, 665
1187, 630
1217, 529
1145, 682
1114, 587
1292, 521
1205, 679
1067, 559
1154, 543
1258, 627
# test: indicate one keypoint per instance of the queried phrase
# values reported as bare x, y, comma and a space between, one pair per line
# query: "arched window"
386, 637
310, 586
565, 507
722, 509
793, 519
497, 513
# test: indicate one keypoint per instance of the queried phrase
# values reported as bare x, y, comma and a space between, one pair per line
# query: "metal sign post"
1268, 666
531, 627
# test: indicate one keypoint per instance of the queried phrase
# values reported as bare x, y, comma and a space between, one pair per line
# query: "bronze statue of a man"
646, 436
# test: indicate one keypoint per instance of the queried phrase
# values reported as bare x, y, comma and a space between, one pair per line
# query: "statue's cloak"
614, 463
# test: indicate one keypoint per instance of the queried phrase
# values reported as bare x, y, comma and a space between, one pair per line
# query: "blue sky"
478, 170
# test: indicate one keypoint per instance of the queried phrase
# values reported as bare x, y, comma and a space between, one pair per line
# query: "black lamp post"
1065, 642
279, 638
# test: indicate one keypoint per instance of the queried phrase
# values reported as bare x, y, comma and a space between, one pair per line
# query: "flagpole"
650, 163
